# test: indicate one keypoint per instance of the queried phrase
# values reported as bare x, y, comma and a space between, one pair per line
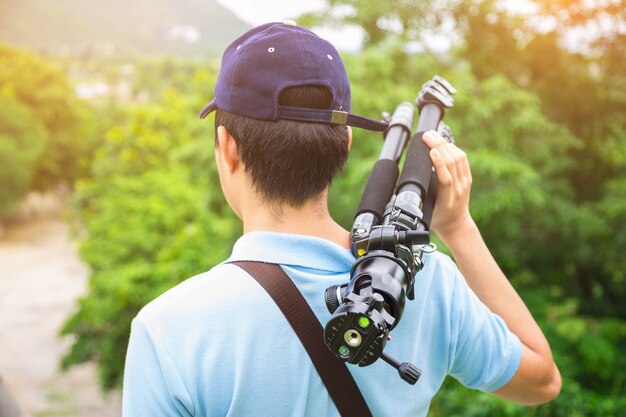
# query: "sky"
348, 38
256, 12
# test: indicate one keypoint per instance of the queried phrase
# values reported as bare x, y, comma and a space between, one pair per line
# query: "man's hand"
451, 214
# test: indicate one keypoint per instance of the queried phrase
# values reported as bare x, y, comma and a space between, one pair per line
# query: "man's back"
218, 345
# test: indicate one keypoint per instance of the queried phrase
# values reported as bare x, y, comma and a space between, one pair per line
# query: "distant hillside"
119, 27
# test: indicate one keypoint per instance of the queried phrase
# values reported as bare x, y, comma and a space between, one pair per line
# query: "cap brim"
208, 109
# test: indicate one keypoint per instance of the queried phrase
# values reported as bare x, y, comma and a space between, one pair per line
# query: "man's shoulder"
436, 285
439, 269
203, 291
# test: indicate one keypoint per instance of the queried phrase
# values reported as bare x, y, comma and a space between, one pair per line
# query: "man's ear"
227, 152
349, 137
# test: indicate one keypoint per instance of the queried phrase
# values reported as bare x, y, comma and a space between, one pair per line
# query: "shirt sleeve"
484, 354
152, 386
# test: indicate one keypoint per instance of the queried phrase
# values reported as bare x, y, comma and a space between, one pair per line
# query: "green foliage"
519, 159
146, 234
43, 99
392, 20
545, 135
22, 139
150, 223
585, 91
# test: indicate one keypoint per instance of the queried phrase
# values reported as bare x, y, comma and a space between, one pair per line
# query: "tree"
396, 21
22, 140
42, 89
585, 90
153, 215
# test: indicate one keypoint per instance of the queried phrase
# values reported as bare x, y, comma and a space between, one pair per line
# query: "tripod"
389, 235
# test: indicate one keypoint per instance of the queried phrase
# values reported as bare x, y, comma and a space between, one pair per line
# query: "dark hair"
289, 162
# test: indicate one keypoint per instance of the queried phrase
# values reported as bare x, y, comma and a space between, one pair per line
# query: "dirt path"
40, 280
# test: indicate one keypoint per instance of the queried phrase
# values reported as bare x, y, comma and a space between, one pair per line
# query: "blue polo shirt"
217, 345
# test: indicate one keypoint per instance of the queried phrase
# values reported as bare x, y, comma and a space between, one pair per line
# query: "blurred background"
108, 193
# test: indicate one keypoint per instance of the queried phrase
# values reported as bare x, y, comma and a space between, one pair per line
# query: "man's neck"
311, 219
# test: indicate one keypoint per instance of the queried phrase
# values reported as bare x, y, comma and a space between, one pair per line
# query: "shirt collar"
293, 250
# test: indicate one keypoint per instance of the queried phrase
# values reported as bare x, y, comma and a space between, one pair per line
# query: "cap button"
289, 23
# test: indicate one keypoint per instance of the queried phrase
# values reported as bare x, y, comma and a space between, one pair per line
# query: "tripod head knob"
444, 130
332, 298
409, 372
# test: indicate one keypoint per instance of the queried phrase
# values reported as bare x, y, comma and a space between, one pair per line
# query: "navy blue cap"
264, 61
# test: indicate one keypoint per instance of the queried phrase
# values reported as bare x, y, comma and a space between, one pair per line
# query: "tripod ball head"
358, 332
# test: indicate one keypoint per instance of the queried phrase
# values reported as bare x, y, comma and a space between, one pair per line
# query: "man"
218, 345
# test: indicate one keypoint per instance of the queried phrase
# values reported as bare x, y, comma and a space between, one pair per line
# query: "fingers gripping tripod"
389, 236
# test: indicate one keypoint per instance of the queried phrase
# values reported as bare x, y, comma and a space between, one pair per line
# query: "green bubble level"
344, 351
364, 321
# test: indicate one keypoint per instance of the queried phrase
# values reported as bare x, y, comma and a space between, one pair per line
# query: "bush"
150, 222
22, 141
44, 134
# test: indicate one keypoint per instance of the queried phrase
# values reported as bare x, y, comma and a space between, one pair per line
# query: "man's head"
288, 162
283, 95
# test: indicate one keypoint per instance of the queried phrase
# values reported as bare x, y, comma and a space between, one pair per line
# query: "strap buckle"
339, 117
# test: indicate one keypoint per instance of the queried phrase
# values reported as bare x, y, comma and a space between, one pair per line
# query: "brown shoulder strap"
334, 373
